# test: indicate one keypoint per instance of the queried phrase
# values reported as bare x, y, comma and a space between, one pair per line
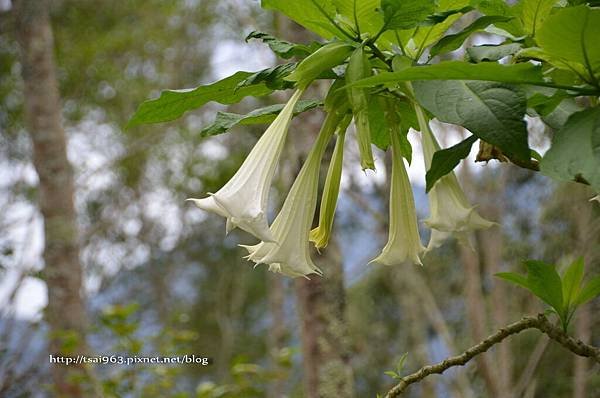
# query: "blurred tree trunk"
475, 303
587, 227
476, 315
66, 311
277, 336
490, 249
325, 341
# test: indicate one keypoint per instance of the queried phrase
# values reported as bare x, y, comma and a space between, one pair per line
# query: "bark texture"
65, 312
277, 337
587, 229
325, 341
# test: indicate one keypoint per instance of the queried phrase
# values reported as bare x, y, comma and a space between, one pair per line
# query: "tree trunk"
66, 311
277, 336
325, 341
587, 227
475, 304
491, 249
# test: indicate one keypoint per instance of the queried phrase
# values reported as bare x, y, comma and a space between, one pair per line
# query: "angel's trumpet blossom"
450, 210
244, 198
404, 243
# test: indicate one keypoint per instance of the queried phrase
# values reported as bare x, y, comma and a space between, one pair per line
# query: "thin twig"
539, 322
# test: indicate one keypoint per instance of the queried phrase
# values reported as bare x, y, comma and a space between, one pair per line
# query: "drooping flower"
450, 211
290, 253
404, 243
320, 235
243, 199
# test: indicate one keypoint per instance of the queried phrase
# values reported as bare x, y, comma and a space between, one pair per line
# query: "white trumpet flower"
243, 199
290, 253
404, 243
450, 211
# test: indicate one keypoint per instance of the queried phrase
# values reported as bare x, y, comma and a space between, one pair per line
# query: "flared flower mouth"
450, 211
243, 199
404, 243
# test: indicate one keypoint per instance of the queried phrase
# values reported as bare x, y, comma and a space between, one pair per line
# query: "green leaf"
406, 14
559, 116
571, 282
492, 111
545, 101
453, 42
534, 13
380, 130
308, 13
442, 16
489, 52
417, 39
571, 154
369, 18
512, 277
513, 28
537, 54
588, 292
544, 282
445, 160
553, 106
457, 70
282, 48
401, 362
389, 116
173, 103
273, 77
225, 120
572, 34
392, 374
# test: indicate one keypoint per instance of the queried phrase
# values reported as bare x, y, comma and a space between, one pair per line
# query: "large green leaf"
559, 116
308, 13
544, 282
512, 28
453, 42
534, 13
588, 291
572, 34
406, 14
492, 111
445, 160
367, 13
226, 120
457, 70
537, 54
173, 103
572, 282
571, 154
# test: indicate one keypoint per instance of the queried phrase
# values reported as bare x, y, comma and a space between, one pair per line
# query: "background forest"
160, 278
